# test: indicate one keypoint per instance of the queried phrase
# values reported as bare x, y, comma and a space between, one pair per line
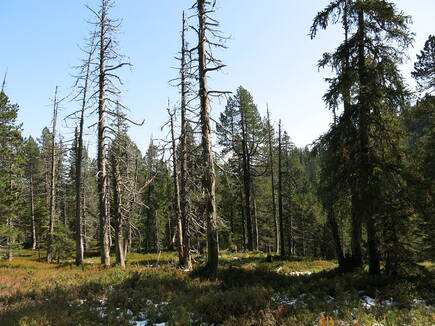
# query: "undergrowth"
247, 291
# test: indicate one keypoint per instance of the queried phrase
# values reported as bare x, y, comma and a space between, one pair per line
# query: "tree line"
361, 193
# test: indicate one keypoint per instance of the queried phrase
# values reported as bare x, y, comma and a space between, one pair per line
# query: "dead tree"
83, 86
32, 210
280, 207
185, 86
272, 180
108, 62
185, 218
207, 26
52, 180
124, 175
117, 208
177, 203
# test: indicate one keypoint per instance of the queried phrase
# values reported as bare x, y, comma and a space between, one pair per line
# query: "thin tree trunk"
208, 182
79, 159
272, 181
280, 208
177, 203
104, 227
32, 210
83, 209
52, 181
254, 221
118, 225
242, 212
186, 259
289, 218
246, 184
127, 240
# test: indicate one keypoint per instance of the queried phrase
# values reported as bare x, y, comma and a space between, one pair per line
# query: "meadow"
248, 290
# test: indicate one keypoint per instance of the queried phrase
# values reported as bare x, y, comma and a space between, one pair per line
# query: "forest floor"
248, 291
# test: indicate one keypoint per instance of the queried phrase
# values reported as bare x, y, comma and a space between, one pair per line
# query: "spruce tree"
369, 85
11, 173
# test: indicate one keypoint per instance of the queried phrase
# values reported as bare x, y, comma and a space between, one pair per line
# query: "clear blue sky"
270, 54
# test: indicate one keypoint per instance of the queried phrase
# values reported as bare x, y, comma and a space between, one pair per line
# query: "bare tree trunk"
208, 182
32, 210
242, 212
280, 208
78, 199
246, 183
79, 159
254, 221
84, 233
177, 203
52, 181
127, 240
272, 181
118, 224
186, 259
103, 191
290, 240
10, 238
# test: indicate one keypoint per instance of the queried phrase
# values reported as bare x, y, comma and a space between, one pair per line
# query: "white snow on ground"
368, 302
300, 273
296, 273
139, 323
292, 301
389, 302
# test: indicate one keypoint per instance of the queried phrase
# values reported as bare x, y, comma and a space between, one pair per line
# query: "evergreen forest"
225, 221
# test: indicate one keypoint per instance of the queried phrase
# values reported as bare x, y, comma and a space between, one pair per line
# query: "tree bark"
79, 159
32, 210
246, 183
336, 236
365, 200
119, 220
280, 208
177, 203
186, 260
103, 200
272, 181
208, 182
52, 181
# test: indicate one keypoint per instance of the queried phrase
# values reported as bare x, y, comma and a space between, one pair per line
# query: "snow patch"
140, 323
300, 273
368, 302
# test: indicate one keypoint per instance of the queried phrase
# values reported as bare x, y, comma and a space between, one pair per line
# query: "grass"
247, 291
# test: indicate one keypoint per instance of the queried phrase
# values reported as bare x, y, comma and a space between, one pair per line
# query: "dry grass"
248, 291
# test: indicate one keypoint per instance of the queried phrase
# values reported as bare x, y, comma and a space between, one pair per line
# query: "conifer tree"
241, 132
11, 160
367, 70
32, 169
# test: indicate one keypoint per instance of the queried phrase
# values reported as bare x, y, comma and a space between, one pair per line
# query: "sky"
269, 53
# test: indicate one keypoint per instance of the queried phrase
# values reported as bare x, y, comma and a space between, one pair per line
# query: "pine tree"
11, 160
32, 169
242, 132
424, 67
369, 85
